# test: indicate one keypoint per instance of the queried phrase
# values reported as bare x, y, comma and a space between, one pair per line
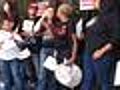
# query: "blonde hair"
65, 9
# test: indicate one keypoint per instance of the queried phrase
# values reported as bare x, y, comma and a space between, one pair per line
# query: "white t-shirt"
29, 26
89, 23
8, 48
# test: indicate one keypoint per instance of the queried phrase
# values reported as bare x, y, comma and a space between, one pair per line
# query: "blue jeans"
11, 75
96, 71
36, 62
46, 79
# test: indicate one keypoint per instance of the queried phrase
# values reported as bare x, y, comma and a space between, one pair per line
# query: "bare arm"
74, 48
100, 52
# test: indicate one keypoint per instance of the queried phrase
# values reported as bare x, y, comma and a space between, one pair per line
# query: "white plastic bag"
117, 75
68, 75
50, 63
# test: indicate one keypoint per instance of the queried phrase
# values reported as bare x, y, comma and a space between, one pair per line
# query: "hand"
25, 34
45, 14
97, 54
68, 62
71, 60
17, 37
97, 4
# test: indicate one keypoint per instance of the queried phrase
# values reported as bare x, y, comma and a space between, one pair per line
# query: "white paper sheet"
117, 75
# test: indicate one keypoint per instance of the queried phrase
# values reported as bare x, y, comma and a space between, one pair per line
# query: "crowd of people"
26, 43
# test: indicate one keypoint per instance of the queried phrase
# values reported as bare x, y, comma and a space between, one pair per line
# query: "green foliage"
22, 6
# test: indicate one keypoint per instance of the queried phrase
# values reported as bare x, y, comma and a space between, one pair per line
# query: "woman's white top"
8, 47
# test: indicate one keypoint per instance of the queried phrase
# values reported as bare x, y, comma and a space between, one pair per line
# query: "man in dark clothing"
101, 39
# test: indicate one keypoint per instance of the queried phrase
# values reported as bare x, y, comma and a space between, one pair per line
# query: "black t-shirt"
105, 30
63, 41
